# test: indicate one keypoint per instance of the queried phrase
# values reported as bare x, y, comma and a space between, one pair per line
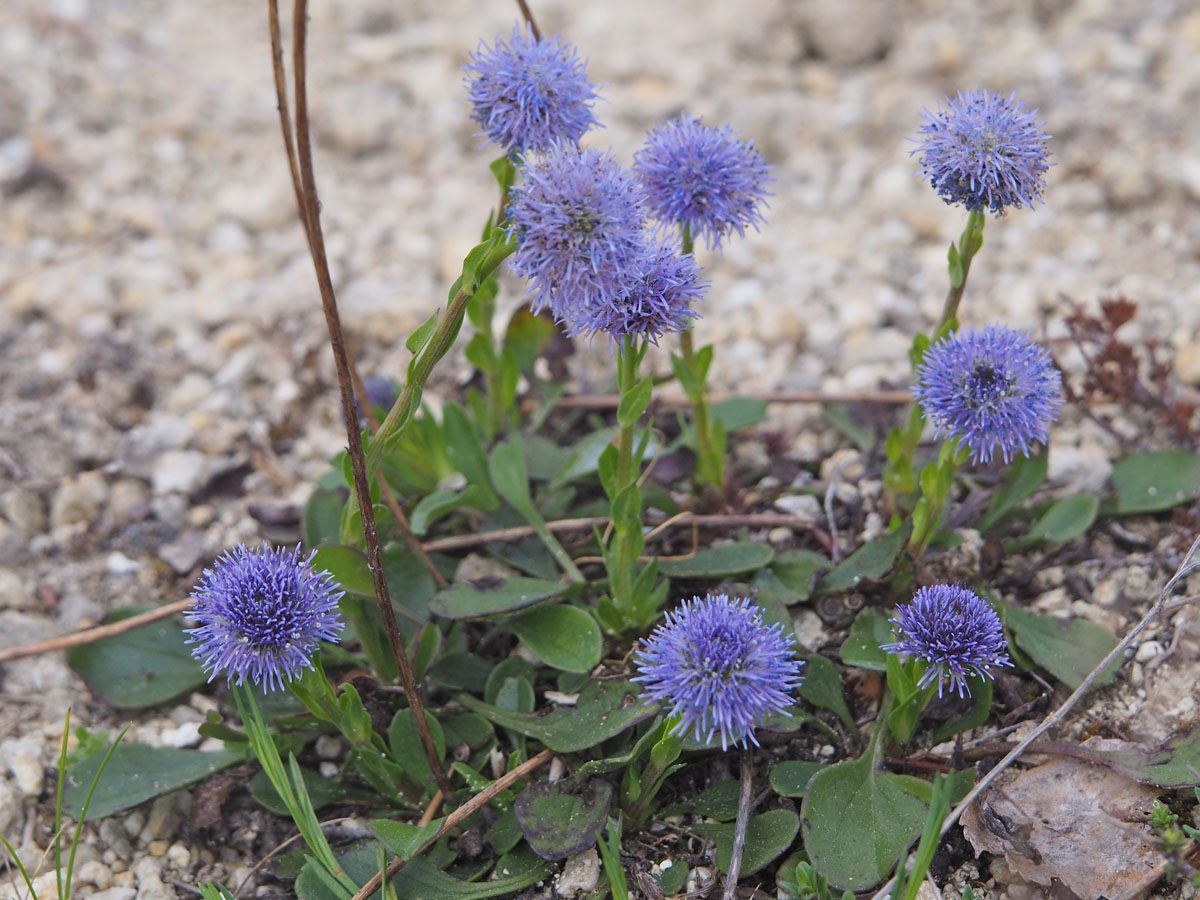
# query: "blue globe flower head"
659, 302
719, 669
262, 614
990, 388
984, 152
956, 633
578, 223
704, 178
529, 94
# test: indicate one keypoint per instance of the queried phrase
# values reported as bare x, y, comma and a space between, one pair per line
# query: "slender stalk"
401, 414
709, 466
739, 829
968, 245
626, 549
306, 193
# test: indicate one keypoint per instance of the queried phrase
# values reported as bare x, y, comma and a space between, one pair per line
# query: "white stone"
1147, 651
580, 874
186, 735
95, 873
23, 757
804, 506
810, 630
181, 471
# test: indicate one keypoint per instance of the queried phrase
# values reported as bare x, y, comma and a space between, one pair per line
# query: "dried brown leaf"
1067, 820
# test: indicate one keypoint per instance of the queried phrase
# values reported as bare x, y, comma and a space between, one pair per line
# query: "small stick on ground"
739, 829
612, 401
79, 638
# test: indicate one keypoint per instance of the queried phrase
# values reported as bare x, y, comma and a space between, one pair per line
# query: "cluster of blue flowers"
984, 152
955, 632
719, 669
262, 614
582, 222
990, 388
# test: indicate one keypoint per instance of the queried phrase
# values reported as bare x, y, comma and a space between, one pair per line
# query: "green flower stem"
935, 482
710, 466
627, 540
960, 267
401, 414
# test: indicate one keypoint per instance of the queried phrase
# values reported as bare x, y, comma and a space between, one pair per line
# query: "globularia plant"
633, 666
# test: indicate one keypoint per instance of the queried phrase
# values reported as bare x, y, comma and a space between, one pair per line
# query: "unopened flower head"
990, 388
529, 94
984, 152
718, 668
262, 614
704, 178
955, 632
659, 302
578, 223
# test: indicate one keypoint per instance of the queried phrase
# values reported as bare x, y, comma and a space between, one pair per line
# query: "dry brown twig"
298, 147
739, 829
1189, 564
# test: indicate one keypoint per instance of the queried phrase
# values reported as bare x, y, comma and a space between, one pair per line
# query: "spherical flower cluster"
990, 387
718, 668
529, 94
261, 614
578, 223
984, 151
659, 302
955, 632
703, 178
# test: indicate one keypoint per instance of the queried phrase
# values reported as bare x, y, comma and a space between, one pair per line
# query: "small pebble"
1147, 651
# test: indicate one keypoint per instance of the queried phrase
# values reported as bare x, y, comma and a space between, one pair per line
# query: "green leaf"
467, 452
768, 836
401, 838
857, 820
736, 413
1066, 648
604, 710
585, 454
634, 403
471, 729
506, 466
420, 337
564, 637
322, 521
839, 417
348, 567
1021, 480
148, 665
790, 778
564, 818
407, 750
465, 601
137, 773
822, 686
720, 561
1152, 482
870, 561
433, 506
861, 649
1066, 519
718, 801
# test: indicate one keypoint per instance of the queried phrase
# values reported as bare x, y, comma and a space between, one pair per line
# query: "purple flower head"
703, 178
990, 387
984, 152
659, 302
261, 614
578, 223
955, 632
529, 94
718, 668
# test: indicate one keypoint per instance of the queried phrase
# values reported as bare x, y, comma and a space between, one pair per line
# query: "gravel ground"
163, 359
